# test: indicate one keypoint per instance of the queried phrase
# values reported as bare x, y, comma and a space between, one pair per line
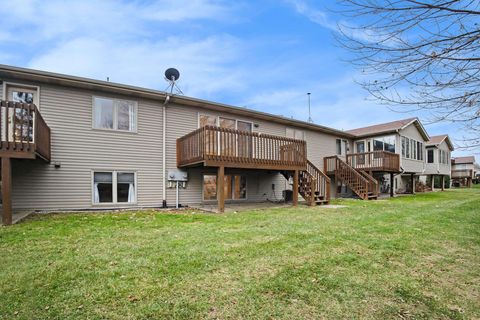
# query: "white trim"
114, 188
36, 100
115, 114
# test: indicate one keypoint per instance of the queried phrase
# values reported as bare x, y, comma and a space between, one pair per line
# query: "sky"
264, 55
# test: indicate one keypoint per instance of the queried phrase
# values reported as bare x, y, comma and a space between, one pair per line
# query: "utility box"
177, 175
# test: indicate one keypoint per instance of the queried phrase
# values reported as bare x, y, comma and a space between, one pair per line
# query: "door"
244, 141
360, 145
228, 140
210, 138
19, 122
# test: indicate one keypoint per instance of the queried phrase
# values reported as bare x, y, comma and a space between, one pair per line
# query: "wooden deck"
459, 174
24, 134
220, 147
382, 161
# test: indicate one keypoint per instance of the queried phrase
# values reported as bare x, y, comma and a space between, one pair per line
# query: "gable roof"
134, 91
389, 127
461, 160
437, 140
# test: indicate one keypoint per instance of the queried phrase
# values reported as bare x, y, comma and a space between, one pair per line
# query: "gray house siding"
80, 149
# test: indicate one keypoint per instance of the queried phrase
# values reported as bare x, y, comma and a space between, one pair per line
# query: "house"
439, 149
71, 143
406, 138
463, 171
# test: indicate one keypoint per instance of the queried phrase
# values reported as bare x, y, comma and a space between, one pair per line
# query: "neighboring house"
438, 158
463, 171
407, 138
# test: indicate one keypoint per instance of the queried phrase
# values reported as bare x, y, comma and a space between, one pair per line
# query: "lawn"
408, 257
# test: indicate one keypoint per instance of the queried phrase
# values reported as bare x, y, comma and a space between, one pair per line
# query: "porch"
224, 148
24, 135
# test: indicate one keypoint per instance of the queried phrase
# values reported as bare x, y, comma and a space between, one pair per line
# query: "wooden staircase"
360, 182
313, 185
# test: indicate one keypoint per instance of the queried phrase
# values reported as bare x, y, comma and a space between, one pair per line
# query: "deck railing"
229, 147
375, 161
465, 173
23, 131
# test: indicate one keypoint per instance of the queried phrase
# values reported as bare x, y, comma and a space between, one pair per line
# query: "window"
341, 146
114, 114
403, 147
443, 156
206, 120
384, 144
420, 150
234, 187
407, 148
114, 187
430, 155
295, 134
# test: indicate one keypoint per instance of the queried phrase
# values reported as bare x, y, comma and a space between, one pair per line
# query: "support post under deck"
220, 189
7, 191
412, 181
391, 184
295, 188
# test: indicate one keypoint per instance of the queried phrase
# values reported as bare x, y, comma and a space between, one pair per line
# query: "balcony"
459, 174
382, 161
220, 147
24, 134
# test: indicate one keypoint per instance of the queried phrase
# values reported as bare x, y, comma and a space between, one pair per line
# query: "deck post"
391, 184
443, 183
221, 189
433, 182
412, 180
295, 188
7, 191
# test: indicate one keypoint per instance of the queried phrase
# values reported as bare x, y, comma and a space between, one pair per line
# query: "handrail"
373, 186
321, 180
236, 147
378, 160
356, 181
462, 173
23, 130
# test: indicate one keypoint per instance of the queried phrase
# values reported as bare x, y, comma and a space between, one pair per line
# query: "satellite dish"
172, 74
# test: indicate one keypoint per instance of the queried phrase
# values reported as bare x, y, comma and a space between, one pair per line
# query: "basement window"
114, 187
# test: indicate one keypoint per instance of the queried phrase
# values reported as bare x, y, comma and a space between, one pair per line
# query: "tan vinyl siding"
81, 149
437, 167
410, 165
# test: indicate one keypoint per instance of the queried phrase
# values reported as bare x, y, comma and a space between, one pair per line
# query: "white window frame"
115, 115
304, 133
114, 187
7, 85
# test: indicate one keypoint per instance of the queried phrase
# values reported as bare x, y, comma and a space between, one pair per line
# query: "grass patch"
408, 257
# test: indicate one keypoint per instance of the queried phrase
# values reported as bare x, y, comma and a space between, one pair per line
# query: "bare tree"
419, 55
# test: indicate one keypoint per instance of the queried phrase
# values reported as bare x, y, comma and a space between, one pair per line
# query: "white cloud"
204, 64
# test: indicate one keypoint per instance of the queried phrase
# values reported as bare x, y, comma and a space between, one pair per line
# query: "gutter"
164, 162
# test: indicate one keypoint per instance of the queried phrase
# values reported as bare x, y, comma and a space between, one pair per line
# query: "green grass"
409, 257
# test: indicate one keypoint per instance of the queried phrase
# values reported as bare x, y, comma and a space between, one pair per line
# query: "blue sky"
265, 55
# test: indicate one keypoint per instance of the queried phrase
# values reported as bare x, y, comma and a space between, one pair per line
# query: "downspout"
164, 162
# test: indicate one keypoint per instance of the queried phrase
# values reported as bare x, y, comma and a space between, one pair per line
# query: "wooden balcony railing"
23, 131
215, 146
375, 161
465, 173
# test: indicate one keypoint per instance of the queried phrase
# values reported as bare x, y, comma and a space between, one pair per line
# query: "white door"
24, 129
